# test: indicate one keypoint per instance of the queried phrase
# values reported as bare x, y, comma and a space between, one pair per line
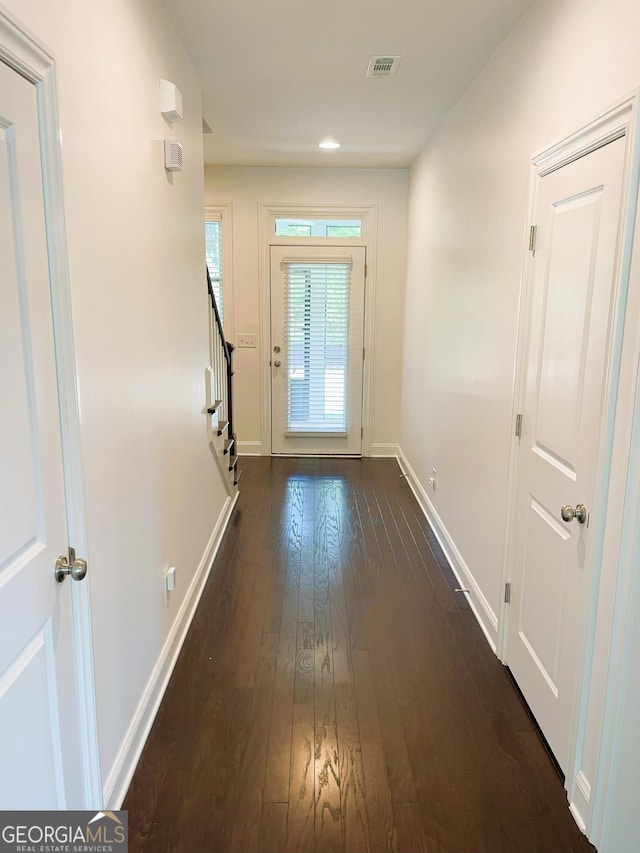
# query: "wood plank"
324, 684
381, 821
411, 837
245, 788
276, 783
401, 783
273, 828
306, 575
304, 677
353, 809
328, 817
301, 794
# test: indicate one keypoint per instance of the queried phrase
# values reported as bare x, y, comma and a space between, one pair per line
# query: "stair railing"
222, 363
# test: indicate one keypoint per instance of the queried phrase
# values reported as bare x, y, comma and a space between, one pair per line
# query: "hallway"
335, 694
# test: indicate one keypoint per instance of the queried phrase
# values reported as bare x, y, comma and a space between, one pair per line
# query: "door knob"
568, 513
276, 349
276, 363
70, 565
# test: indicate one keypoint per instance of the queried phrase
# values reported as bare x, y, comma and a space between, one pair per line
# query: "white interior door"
317, 332
40, 760
572, 280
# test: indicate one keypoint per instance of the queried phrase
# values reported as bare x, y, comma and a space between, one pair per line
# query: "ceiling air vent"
383, 66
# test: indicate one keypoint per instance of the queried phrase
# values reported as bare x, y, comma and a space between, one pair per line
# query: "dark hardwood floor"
335, 694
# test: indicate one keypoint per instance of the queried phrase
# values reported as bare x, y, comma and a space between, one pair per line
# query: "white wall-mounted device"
170, 101
172, 156
170, 578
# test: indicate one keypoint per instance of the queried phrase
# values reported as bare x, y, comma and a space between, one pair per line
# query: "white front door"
40, 756
317, 333
573, 273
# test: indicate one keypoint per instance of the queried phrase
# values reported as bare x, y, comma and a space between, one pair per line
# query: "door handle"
70, 565
277, 363
568, 513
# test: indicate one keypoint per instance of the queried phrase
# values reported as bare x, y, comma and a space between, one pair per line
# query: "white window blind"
213, 242
316, 332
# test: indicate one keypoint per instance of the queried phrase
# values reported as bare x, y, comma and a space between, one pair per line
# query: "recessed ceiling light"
329, 144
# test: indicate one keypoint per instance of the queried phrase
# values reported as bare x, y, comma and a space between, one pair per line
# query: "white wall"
247, 187
136, 253
563, 64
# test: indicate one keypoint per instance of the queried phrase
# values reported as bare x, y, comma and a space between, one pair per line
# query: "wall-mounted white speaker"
170, 101
172, 156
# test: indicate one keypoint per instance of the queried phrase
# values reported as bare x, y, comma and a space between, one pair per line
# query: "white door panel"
39, 731
573, 273
28, 693
565, 326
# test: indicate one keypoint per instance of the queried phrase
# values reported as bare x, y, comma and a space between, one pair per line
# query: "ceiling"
281, 75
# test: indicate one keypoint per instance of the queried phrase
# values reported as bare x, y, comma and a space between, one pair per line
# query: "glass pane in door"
316, 326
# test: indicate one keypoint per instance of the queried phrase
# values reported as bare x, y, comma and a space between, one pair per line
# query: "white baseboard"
578, 818
480, 607
249, 448
119, 779
384, 450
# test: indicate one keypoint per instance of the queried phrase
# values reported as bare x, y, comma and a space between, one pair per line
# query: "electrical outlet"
247, 340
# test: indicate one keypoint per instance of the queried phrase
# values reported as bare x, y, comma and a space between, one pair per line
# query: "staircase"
222, 438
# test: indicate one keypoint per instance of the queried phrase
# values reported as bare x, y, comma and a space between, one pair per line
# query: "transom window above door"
327, 228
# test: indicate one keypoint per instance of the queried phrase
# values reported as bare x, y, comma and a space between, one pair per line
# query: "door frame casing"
621, 120
20, 51
368, 214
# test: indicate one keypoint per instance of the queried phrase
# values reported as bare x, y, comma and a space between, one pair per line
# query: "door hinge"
533, 236
363, 353
366, 270
507, 593
361, 432
519, 426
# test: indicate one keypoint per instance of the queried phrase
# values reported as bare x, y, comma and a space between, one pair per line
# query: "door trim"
621, 120
267, 214
20, 51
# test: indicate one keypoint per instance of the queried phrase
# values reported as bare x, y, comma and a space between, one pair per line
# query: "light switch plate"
247, 340
170, 578
209, 385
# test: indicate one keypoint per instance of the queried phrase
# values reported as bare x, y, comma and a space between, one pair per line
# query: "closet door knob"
568, 513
